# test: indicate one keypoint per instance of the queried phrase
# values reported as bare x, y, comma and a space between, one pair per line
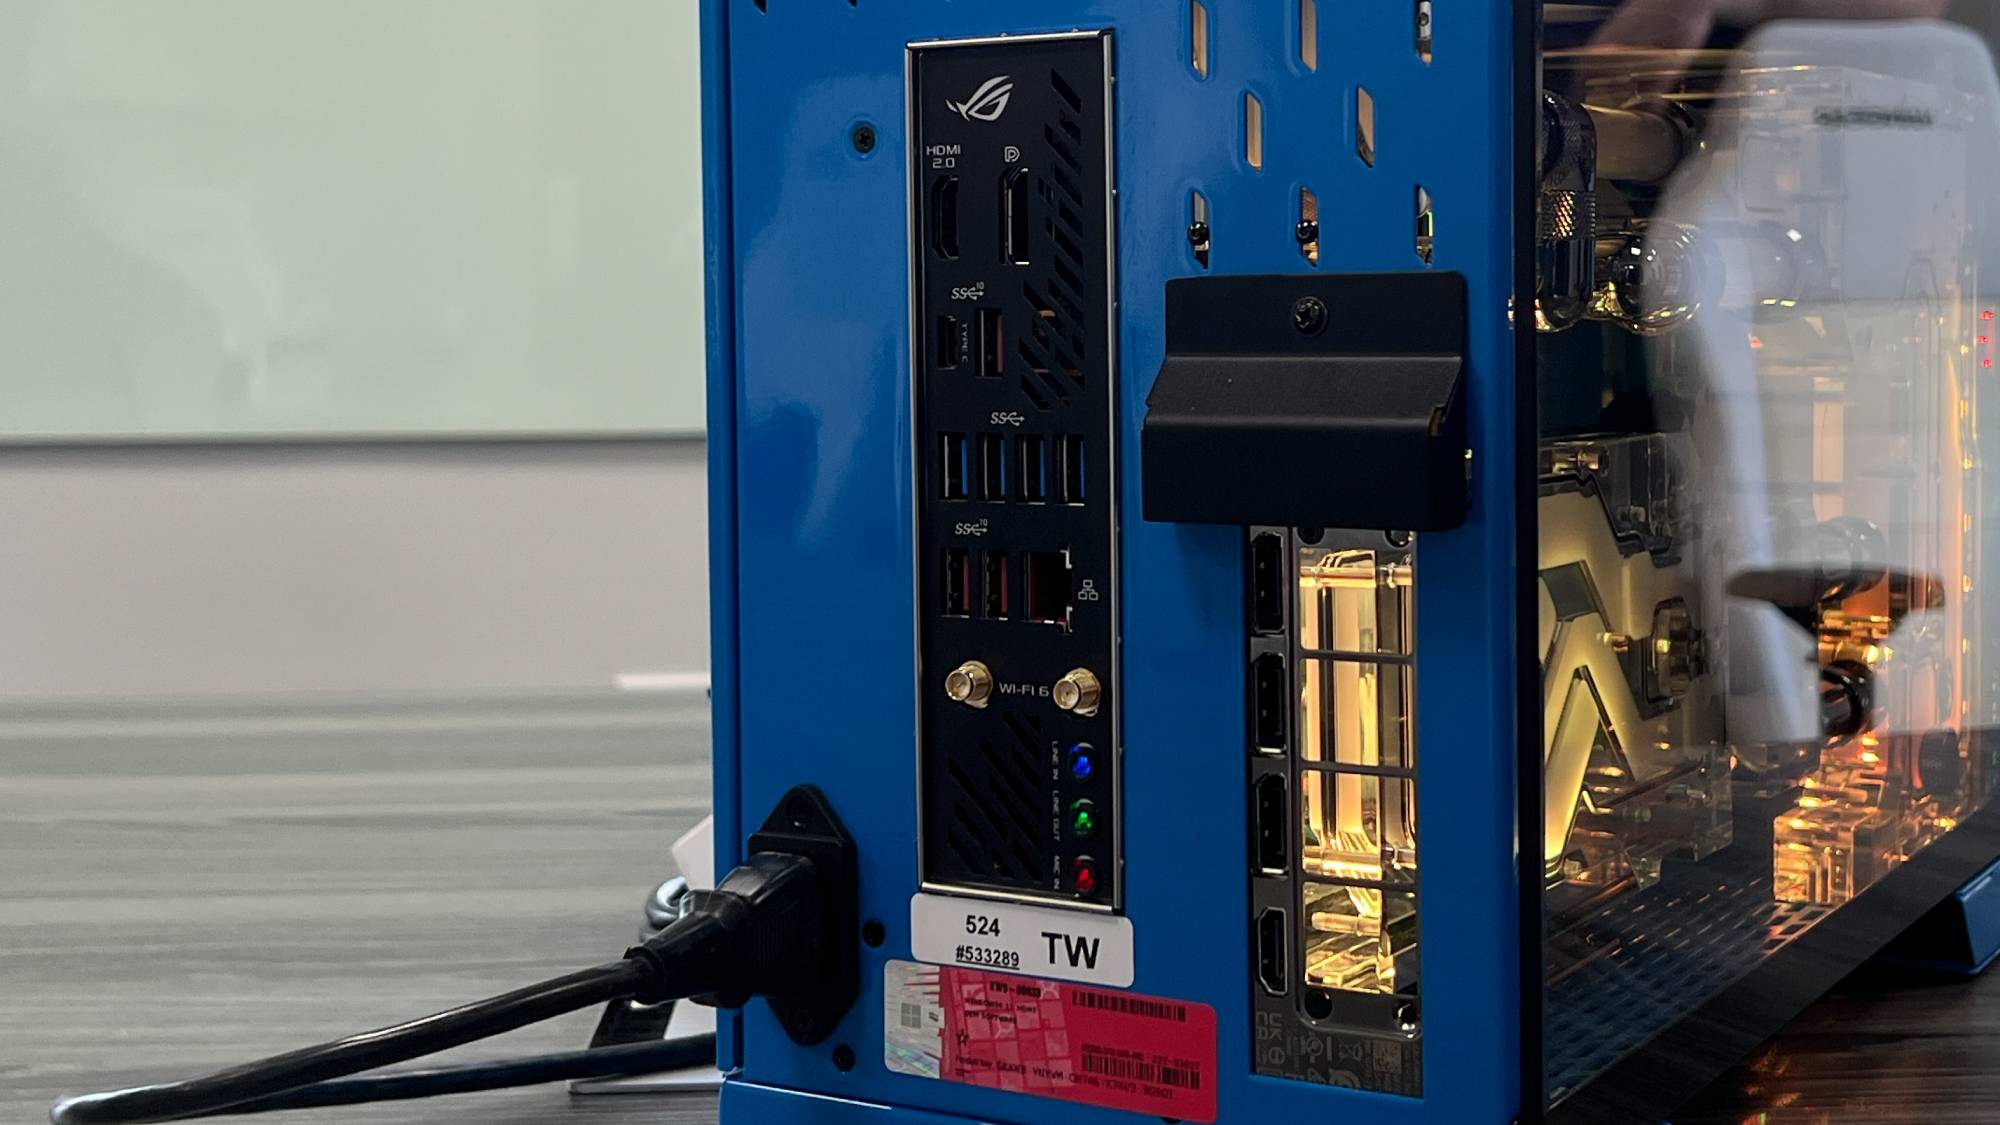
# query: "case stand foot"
1960, 937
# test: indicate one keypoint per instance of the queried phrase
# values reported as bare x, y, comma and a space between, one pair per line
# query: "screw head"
1197, 234
1306, 231
1309, 316
863, 138
843, 1058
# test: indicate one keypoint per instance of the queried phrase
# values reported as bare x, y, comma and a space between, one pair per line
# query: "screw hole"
798, 810
874, 933
1311, 536
843, 1058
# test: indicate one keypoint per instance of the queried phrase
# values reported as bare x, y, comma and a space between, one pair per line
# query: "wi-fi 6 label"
1064, 944
1051, 1039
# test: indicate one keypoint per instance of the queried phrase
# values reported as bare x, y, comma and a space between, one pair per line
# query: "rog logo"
988, 102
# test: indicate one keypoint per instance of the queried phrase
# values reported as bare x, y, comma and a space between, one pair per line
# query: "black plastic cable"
764, 931
500, 1074
195, 1097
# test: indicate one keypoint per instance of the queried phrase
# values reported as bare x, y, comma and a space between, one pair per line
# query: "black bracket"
1305, 400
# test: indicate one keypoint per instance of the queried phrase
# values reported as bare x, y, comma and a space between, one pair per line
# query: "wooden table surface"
176, 898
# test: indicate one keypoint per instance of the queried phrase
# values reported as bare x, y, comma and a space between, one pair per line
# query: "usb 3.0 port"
1014, 217
992, 467
992, 344
993, 584
950, 342
955, 457
957, 582
1070, 469
1031, 454
944, 217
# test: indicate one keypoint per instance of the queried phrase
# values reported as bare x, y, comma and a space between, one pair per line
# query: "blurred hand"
1687, 23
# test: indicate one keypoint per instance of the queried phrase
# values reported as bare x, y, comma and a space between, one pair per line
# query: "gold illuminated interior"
1357, 807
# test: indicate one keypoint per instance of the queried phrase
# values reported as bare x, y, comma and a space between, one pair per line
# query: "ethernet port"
1051, 589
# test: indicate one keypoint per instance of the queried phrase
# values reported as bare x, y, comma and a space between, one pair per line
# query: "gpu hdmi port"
1270, 940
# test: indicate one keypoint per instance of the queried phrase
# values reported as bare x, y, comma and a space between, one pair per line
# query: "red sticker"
1118, 1050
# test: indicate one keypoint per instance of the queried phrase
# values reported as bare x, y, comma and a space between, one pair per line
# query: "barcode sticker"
1051, 1039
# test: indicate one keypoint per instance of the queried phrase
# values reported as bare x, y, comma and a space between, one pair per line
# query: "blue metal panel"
719, 231
815, 600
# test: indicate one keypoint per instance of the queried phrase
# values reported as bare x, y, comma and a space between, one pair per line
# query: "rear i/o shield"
1013, 345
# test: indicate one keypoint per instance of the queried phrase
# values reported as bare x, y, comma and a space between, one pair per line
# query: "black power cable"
781, 926
499, 1074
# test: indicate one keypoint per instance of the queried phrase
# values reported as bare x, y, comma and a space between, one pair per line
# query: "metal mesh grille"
1702, 927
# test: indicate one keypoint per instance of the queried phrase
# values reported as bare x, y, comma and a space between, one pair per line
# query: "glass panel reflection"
1764, 297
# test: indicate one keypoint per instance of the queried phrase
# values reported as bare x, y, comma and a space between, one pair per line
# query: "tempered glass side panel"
1765, 300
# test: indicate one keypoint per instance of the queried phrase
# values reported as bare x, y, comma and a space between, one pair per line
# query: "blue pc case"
998, 504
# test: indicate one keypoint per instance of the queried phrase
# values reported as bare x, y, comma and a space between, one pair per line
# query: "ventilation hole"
1309, 33
1364, 125
982, 804
1043, 384
1424, 31
1069, 247
1069, 277
1060, 148
1031, 748
1426, 225
1198, 232
1064, 181
1198, 21
1066, 92
1253, 131
1308, 227
1016, 807
1035, 397
966, 850
1010, 773
1021, 854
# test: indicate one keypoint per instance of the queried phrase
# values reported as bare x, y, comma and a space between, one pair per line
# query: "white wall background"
326, 217
344, 569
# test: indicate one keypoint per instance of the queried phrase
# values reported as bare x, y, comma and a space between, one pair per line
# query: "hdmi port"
1271, 951
944, 218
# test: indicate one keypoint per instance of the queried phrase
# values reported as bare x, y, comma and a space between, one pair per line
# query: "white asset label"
1034, 940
